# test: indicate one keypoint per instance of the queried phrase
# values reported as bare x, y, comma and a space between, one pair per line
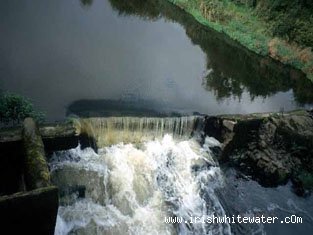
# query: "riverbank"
244, 24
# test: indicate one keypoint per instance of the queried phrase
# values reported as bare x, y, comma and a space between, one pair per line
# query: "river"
60, 53
147, 170
97, 58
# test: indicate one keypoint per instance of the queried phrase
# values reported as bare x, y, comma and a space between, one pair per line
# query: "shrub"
15, 108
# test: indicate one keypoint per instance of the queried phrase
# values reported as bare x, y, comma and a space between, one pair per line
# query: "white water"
131, 190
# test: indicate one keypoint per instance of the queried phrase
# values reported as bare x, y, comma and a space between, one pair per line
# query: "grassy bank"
260, 32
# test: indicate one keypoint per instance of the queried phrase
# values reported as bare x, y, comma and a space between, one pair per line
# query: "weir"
144, 170
140, 171
112, 130
147, 169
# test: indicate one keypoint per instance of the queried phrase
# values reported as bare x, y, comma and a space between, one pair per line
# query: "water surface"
148, 169
147, 52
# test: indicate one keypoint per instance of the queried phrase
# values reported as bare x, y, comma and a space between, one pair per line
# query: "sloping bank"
282, 30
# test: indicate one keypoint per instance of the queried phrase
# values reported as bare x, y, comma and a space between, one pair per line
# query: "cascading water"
113, 130
132, 189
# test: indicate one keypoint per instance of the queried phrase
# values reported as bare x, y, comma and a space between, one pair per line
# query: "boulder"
272, 148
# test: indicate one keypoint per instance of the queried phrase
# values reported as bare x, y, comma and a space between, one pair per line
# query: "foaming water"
124, 189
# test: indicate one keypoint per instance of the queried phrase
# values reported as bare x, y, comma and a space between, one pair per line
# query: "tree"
15, 108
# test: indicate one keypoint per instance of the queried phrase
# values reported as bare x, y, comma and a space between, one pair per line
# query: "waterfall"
113, 130
131, 188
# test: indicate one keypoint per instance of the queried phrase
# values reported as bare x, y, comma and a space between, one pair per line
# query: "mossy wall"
36, 169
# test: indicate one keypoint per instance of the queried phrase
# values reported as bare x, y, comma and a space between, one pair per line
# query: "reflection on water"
86, 2
232, 70
136, 108
58, 53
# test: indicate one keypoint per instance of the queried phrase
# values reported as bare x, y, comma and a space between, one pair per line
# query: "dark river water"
62, 53
86, 57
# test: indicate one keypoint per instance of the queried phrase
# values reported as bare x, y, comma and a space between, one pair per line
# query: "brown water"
61, 53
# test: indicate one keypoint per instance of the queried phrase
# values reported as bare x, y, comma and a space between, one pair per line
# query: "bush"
289, 19
15, 108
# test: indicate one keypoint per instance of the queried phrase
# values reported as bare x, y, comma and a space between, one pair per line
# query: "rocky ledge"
272, 148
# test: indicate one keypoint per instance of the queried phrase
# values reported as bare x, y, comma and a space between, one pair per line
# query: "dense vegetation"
281, 29
15, 108
288, 19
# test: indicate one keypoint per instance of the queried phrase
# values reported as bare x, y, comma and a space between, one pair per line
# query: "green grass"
245, 26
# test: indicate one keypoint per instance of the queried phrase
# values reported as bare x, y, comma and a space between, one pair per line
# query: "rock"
214, 128
263, 144
229, 124
219, 128
272, 148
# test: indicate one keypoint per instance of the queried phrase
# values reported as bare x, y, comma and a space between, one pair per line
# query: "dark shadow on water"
86, 3
117, 108
242, 196
232, 68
